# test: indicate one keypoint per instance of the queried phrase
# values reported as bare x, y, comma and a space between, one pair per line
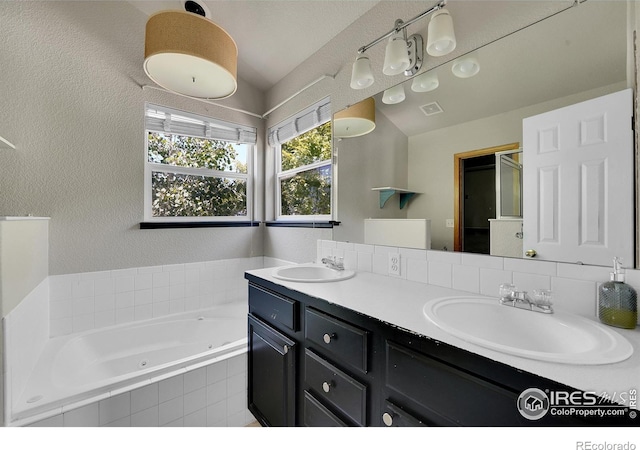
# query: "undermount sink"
311, 273
559, 337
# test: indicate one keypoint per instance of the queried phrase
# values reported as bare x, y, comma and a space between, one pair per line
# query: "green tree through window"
180, 191
306, 188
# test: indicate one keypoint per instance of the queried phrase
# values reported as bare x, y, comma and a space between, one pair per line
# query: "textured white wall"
72, 103
296, 245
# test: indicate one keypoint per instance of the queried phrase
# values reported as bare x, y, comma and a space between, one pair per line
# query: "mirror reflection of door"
475, 197
578, 166
509, 184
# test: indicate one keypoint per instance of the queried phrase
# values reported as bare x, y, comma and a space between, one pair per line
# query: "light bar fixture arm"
399, 26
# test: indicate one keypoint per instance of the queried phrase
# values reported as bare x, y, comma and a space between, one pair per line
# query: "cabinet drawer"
317, 415
396, 416
336, 387
338, 338
442, 392
273, 308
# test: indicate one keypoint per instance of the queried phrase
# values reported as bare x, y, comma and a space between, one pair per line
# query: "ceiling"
274, 36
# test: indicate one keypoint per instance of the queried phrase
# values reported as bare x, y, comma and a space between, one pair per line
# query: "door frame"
458, 188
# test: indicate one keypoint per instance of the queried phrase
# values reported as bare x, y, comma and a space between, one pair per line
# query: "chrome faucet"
333, 262
541, 302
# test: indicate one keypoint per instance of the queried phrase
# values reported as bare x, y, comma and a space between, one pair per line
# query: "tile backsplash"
84, 301
574, 286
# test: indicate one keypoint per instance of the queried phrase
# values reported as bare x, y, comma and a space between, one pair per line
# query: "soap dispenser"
617, 301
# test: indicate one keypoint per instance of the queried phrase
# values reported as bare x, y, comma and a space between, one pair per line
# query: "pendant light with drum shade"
357, 120
188, 54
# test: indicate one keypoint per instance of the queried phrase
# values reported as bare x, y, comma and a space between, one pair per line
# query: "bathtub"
79, 369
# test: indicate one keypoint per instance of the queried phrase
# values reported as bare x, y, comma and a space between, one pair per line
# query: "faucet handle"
507, 289
542, 296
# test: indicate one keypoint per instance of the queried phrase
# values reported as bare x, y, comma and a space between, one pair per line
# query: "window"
196, 169
304, 164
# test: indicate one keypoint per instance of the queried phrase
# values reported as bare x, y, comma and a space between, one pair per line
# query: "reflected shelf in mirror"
387, 192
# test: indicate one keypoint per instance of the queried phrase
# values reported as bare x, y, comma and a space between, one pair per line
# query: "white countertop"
400, 302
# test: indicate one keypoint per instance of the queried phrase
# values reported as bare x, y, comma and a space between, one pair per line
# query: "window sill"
220, 224
303, 224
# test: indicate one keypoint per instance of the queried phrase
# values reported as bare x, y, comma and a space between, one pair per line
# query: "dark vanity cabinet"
272, 358
306, 366
313, 363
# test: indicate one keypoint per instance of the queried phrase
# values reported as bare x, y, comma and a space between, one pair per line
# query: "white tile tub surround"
574, 286
26, 331
84, 301
210, 396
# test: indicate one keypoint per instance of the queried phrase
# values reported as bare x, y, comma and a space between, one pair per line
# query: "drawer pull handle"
327, 337
326, 386
387, 419
285, 349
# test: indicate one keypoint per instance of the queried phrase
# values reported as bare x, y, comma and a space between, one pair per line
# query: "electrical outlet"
449, 223
394, 264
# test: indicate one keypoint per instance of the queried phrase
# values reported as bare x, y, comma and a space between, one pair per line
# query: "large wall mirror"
573, 56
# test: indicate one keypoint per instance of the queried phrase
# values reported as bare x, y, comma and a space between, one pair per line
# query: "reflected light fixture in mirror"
393, 95
441, 39
188, 54
465, 67
425, 83
361, 75
356, 120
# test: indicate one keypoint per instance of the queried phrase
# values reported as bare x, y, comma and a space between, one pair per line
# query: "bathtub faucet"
333, 262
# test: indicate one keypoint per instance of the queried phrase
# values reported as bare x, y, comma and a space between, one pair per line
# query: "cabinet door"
271, 366
445, 395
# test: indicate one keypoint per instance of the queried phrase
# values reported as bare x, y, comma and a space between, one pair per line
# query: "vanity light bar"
399, 26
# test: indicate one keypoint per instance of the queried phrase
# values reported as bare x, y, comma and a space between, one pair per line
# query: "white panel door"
578, 182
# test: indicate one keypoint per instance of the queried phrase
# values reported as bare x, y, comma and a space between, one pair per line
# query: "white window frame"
207, 124
306, 120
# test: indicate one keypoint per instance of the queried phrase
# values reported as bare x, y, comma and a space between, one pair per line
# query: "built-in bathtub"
78, 370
